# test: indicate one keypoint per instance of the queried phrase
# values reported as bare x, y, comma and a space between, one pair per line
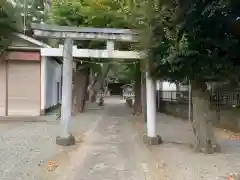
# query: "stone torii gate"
68, 51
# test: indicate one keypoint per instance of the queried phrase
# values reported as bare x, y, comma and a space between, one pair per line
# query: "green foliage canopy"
91, 13
9, 22
196, 41
11, 18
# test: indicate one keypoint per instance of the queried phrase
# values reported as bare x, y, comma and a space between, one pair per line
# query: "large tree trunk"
137, 107
202, 120
177, 91
93, 97
98, 83
91, 81
88, 82
74, 93
190, 108
144, 98
81, 88
93, 90
74, 90
215, 108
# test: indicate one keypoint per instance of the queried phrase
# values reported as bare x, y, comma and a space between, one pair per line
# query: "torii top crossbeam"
84, 33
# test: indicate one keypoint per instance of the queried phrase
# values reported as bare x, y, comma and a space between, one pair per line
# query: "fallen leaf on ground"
52, 165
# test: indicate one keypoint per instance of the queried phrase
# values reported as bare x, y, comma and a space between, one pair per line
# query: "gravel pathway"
111, 155
110, 150
26, 147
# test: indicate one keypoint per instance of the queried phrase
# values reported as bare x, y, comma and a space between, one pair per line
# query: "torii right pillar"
151, 138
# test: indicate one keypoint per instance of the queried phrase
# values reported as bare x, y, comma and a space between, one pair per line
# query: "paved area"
107, 148
110, 150
111, 154
177, 160
26, 147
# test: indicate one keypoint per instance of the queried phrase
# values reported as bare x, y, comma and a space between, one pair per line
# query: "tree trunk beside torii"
83, 90
97, 84
137, 106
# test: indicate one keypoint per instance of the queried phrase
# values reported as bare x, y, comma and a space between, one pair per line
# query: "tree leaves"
9, 22
11, 18
195, 40
92, 13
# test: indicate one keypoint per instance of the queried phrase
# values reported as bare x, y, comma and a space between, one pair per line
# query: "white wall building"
29, 83
52, 83
168, 90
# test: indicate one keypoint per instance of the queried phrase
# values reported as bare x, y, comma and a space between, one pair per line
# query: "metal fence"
225, 99
216, 99
103, 94
127, 95
173, 96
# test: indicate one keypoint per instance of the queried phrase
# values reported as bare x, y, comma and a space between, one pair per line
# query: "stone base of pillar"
63, 141
152, 140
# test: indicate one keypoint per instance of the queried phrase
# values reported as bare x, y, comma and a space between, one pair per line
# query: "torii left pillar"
66, 138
